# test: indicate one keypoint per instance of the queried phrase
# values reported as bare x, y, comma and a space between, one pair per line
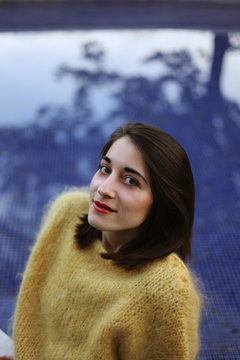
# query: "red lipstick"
103, 208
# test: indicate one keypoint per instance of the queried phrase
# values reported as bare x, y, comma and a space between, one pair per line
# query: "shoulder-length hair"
168, 226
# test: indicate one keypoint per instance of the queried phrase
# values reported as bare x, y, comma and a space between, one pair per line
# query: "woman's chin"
94, 222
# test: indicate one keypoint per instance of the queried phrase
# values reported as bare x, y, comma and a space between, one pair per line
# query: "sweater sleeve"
26, 328
166, 325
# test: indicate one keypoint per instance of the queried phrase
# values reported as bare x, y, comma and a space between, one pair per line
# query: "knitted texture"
73, 304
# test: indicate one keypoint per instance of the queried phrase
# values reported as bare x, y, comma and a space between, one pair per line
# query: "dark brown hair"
168, 227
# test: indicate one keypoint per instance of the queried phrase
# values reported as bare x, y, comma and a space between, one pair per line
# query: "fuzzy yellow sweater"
75, 305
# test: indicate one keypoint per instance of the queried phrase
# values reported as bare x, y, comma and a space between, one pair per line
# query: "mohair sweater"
75, 305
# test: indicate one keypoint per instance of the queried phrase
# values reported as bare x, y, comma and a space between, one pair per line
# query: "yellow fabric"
75, 305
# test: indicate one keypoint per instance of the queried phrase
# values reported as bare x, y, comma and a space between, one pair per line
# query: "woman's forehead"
125, 149
124, 152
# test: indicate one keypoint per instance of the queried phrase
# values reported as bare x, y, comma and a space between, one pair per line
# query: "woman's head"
167, 226
120, 193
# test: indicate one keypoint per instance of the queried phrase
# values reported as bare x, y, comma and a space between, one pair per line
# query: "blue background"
58, 147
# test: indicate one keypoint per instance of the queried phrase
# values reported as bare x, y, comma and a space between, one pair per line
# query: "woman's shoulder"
73, 198
171, 276
168, 266
71, 202
185, 277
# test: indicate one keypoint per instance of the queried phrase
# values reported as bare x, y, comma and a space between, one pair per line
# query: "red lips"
104, 206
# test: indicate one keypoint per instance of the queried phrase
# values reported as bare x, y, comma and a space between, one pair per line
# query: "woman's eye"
131, 181
104, 169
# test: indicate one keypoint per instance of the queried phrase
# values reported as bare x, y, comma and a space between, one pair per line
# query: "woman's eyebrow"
106, 158
133, 171
127, 169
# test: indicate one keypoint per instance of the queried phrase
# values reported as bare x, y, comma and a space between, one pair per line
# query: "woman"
106, 279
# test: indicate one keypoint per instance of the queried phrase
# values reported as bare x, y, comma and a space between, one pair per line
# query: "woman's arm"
166, 318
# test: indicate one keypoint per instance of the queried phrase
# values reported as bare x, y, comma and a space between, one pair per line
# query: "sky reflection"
29, 62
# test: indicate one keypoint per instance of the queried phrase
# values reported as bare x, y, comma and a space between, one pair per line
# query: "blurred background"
71, 72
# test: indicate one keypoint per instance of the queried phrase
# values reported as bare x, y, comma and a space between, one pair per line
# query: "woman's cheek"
129, 197
94, 183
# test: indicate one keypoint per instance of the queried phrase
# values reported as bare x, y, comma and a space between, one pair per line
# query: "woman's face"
120, 193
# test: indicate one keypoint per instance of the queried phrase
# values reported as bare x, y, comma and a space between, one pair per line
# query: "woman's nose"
107, 188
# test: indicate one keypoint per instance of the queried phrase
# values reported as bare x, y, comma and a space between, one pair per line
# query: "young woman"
106, 279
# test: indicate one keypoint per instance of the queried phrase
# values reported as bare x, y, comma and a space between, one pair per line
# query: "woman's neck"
113, 241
